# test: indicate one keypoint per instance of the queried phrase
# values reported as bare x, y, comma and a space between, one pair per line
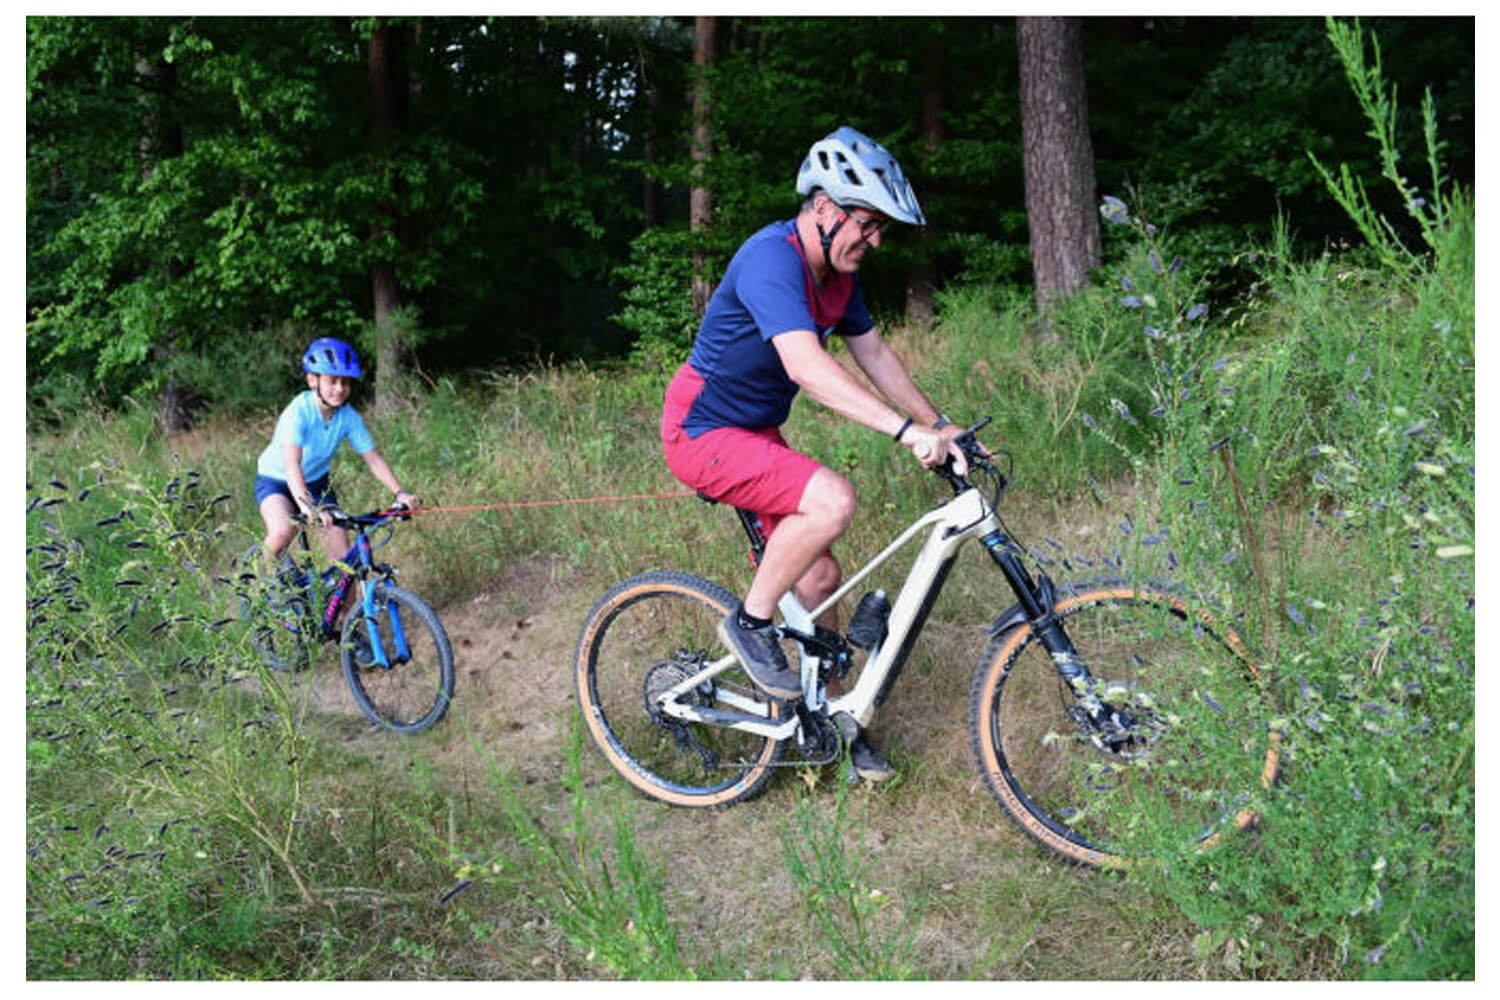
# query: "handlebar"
978, 458
373, 519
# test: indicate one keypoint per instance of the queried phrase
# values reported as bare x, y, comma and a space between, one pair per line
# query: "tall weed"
855, 919
138, 698
1346, 394
606, 897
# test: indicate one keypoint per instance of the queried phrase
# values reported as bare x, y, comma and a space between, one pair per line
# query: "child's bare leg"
276, 511
335, 542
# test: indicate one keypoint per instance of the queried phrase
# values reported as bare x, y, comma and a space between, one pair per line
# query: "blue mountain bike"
396, 656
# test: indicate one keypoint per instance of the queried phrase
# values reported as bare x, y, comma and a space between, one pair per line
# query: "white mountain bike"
1096, 709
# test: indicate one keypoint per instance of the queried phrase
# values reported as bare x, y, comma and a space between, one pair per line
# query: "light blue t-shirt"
301, 423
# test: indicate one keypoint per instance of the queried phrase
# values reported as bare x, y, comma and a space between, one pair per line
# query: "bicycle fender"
1009, 619
1016, 614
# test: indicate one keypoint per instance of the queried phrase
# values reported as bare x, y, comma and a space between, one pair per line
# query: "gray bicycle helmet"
855, 170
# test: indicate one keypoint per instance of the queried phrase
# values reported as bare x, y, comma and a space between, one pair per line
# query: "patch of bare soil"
512, 647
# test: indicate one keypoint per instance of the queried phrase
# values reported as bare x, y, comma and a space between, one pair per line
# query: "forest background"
451, 194
1244, 359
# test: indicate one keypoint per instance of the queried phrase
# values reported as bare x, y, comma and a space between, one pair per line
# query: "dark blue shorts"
321, 492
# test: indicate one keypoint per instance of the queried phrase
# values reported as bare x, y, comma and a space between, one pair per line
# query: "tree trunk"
920, 281
1058, 156
651, 187
386, 70
705, 37
161, 139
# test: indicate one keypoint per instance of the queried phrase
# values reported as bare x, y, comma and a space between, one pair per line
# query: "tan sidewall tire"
644, 587
982, 703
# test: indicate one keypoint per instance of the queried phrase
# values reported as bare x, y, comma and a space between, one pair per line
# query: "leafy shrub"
1324, 400
658, 297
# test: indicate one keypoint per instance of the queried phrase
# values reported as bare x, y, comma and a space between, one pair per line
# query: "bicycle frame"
356, 564
968, 515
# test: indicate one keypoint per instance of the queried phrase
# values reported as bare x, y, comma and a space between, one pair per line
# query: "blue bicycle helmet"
331, 356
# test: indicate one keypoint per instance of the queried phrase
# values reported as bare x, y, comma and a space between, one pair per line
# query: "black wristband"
897, 436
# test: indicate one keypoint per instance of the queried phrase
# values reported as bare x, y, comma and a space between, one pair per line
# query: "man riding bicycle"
761, 340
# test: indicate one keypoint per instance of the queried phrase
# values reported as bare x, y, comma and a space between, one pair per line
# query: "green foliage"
196, 223
1379, 107
848, 911
191, 180
658, 298
607, 898
1303, 450
136, 692
1230, 108
1354, 402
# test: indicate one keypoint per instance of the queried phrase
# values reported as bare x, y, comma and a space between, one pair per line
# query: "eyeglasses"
869, 227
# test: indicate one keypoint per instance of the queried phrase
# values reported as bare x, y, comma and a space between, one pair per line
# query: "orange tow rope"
620, 498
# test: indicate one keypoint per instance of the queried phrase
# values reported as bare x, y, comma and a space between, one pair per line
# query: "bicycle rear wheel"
645, 635
415, 687
1198, 747
282, 631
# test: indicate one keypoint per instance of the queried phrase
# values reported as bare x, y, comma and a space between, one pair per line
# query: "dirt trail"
994, 905
512, 643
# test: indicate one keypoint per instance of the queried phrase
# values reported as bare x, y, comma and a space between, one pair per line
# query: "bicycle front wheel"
1181, 771
644, 636
414, 687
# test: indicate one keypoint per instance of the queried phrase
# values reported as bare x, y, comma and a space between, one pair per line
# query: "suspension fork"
1036, 599
396, 641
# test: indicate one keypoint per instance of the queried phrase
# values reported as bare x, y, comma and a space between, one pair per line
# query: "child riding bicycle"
292, 472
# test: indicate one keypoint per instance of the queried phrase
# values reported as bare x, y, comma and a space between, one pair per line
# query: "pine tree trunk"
920, 281
385, 75
1058, 156
651, 187
705, 38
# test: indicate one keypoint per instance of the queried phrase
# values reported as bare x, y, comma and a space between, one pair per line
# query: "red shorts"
752, 469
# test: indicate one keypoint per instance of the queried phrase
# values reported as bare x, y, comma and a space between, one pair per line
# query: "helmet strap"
318, 391
826, 238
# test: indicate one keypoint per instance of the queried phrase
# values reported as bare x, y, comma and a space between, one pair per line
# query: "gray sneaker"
760, 652
868, 764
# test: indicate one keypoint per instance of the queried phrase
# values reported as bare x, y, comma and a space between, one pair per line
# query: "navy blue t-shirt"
768, 289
